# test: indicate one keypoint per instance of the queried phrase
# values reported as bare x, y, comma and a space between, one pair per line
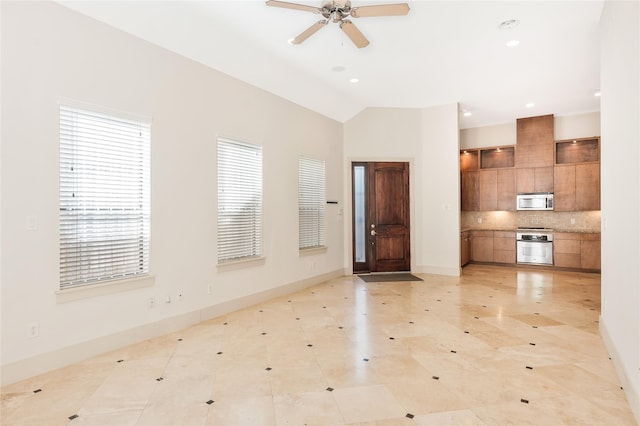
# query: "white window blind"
104, 197
311, 202
239, 200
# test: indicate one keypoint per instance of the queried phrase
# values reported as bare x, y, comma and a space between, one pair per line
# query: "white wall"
49, 52
564, 127
486, 136
428, 140
620, 105
576, 126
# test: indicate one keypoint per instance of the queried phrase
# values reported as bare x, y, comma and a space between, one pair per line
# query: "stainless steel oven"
534, 246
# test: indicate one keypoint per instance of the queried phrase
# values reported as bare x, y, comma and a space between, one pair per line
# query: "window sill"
312, 251
103, 289
240, 264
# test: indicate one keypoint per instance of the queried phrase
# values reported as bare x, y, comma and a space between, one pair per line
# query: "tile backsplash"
588, 221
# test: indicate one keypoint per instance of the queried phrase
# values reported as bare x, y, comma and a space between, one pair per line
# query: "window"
104, 197
239, 201
311, 203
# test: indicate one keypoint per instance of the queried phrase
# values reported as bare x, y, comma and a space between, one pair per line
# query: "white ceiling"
441, 52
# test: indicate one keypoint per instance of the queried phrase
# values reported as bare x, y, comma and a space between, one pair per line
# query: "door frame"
351, 163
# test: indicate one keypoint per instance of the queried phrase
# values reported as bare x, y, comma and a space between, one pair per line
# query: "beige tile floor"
497, 346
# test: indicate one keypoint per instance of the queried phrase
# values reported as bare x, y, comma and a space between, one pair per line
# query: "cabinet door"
506, 190
482, 247
590, 252
534, 179
525, 180
465, 248
469, 191
504, 247
564, 183
543, 179
535, 142
488, 190
587, 187
566, 250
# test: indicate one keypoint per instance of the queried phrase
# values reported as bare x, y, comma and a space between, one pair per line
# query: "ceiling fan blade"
309, 32
295, 6
354, 33
399, 9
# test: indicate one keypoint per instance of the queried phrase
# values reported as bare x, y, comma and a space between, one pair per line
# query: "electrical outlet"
479, 220
33, 330
151, 303
573, 221
209, 288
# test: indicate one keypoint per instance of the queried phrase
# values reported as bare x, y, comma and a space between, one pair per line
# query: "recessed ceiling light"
354, 80
530, 105
467, 113
338, 68
508, 24
513, 43
597, 94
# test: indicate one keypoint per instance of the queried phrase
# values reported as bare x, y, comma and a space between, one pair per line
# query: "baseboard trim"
437, 270
39, 364
630, 391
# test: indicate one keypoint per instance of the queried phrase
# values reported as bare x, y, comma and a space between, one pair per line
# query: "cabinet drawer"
488, 234
504, 234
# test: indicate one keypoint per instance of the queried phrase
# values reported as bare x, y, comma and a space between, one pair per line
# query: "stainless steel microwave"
535, 201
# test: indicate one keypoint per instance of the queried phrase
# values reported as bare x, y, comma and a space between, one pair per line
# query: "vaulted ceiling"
441, 52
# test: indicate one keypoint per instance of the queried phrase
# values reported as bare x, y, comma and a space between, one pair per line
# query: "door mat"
385, 278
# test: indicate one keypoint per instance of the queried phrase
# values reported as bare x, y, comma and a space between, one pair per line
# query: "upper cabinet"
487, 180
491, 177
534, 146
577, 175
534, 154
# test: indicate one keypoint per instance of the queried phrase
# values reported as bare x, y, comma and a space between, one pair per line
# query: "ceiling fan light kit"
337, 11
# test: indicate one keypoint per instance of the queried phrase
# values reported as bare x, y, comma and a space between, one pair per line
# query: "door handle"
373, 232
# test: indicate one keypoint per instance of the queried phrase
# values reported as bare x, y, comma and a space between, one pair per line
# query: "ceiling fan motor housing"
336, 11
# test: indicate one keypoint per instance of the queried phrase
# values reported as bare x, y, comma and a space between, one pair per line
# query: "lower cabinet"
577, 250
482, 246
465, 247
504, 247
493, 246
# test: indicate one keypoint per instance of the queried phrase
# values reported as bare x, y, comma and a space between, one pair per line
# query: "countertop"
573, 231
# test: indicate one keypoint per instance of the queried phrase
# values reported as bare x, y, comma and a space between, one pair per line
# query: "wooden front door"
381, 237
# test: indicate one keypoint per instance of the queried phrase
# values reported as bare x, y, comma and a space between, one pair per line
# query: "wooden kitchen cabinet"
587, 187
488, 190
506, 190
584, 150
497, 190
469, 191
482, 246
577, 187
488, 179
465, 248
590, 251
534, 179
535, 144
504, 247
566, 250
577, 250
469, 160
577, 175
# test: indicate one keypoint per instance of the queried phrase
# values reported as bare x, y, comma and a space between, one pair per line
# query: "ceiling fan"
337, 11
